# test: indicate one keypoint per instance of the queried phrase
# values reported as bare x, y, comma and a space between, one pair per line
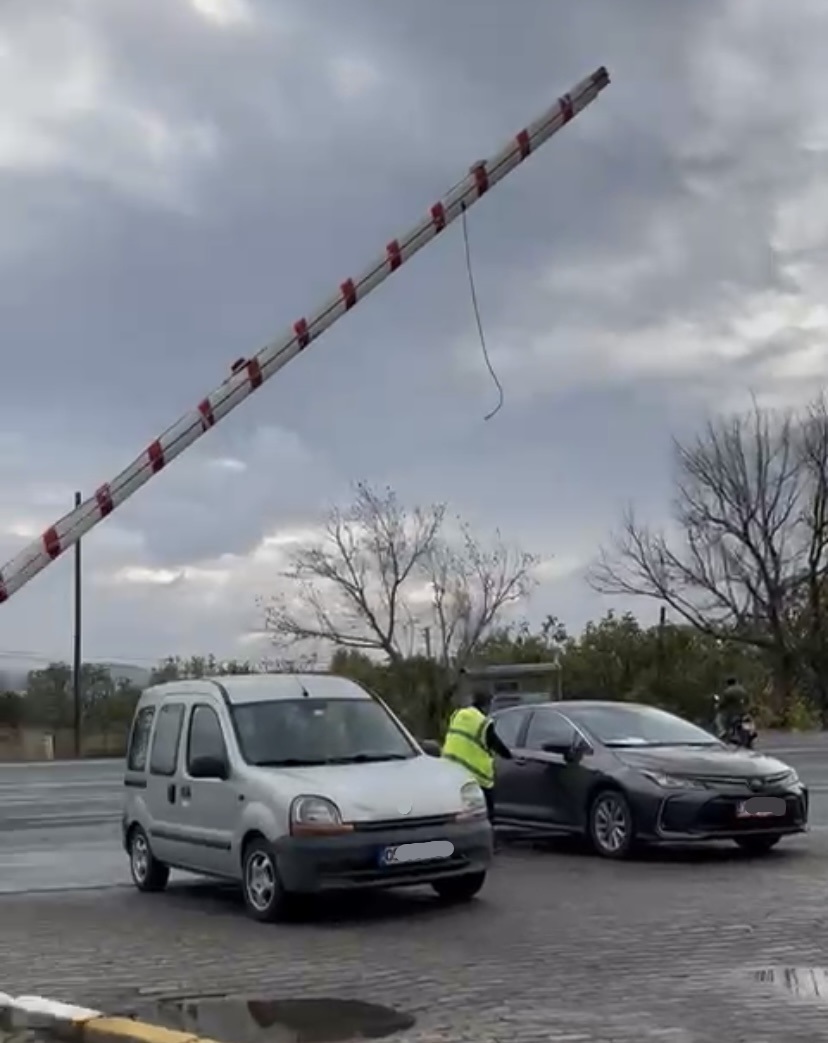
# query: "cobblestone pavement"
560, 946
683, 946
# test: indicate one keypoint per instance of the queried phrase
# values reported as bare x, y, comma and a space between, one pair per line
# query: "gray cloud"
180, 181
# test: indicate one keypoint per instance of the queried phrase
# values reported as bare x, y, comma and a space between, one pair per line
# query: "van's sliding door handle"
171, 793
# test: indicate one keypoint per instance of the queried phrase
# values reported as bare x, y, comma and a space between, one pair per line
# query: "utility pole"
662, 624
76, 655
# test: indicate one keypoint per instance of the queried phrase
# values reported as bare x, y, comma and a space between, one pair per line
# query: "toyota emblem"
755, 784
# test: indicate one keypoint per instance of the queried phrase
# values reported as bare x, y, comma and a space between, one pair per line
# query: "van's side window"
167, 740
139, 740
206, 738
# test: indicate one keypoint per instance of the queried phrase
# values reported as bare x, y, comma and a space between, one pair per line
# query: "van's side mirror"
209, 767
431, 747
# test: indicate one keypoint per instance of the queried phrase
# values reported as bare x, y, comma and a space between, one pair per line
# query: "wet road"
59, 823
59, 826
685, 947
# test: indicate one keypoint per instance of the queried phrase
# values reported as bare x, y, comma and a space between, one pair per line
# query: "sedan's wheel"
757, 845
148, 874
264, 895
459, 888
611, 824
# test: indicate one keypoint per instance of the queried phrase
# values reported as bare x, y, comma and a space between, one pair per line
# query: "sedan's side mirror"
209, 767
579, 748
431, 747
556, 747
571, 752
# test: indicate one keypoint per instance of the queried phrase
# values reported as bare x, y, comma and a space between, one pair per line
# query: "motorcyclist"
733, 705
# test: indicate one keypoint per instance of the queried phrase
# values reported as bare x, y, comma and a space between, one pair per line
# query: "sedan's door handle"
520, 762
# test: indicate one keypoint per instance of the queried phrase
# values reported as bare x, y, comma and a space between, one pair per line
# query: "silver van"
294, 784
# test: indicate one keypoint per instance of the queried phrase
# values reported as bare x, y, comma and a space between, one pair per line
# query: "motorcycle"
741, 732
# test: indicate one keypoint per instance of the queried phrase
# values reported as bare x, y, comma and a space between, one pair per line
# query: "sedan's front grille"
719, 815
739, 782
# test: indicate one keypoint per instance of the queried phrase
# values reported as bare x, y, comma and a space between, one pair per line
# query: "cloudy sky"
181, 179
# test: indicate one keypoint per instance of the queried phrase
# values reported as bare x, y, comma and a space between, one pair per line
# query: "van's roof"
258, 688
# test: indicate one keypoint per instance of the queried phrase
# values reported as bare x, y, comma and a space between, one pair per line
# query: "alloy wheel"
611, 825
260, 880
140, 855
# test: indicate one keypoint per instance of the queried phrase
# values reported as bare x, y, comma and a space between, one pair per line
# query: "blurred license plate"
761, 807
425, 852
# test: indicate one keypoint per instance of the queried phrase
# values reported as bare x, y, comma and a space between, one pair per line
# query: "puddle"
800, 983
277, 1021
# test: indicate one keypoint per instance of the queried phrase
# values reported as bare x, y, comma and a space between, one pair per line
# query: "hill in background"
14, 675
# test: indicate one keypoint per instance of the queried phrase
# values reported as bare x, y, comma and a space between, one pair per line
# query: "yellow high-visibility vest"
465, 745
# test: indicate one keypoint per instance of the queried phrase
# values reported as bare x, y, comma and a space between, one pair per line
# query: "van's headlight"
314, 816
473, 801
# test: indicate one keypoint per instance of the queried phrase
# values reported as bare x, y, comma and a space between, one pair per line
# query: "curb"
73, 1024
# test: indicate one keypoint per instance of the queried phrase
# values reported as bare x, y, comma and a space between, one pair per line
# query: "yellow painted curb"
125, 1030
65, 1021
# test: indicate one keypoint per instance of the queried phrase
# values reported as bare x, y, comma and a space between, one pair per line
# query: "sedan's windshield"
299, 732
638, 726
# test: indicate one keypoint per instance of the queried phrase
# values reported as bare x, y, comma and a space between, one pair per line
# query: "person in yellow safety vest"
472, 742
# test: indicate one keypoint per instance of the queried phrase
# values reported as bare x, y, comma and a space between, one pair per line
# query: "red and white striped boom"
250, 374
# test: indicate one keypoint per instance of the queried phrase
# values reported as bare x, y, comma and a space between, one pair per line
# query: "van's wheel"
148, 874
610, 826
757, 845
265, 898
459, 888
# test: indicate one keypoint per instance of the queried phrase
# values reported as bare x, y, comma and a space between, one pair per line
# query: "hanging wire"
476, 308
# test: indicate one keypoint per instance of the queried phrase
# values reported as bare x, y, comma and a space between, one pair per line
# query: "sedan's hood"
716, 762
416, 788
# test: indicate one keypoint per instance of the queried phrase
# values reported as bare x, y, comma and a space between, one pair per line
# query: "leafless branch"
471, 587
381, 574
743, 534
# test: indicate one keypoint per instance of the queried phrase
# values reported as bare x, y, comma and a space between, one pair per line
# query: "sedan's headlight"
791, 779
315, 815
671, 781
473, 801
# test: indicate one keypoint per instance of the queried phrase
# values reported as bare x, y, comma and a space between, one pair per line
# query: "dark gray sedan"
622, 773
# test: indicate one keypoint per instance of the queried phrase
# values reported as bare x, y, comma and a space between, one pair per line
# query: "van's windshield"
302, 732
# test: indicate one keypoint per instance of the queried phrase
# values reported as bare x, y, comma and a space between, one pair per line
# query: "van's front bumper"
309, 865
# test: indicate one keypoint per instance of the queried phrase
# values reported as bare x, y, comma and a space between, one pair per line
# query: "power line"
126, 660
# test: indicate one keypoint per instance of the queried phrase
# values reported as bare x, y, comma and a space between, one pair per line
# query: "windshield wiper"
367, 758
356, 758
290, 762
622, 745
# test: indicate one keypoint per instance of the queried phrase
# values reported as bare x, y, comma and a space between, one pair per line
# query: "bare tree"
751, 534
471, 586
811, 593
349, 588
383, 574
